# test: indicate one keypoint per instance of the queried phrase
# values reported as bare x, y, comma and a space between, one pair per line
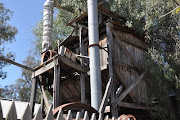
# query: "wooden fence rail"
12, 115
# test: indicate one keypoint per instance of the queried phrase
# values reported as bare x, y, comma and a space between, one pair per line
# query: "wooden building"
65, 71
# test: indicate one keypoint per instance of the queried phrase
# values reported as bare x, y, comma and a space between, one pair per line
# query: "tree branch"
169, 12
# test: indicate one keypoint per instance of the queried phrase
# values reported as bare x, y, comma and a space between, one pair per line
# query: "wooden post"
56, 88
111, 71
105, 97
33, 94
42, 98
82, 76
42, 103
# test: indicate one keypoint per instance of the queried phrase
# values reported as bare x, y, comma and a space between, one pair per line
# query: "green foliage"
162, 35
7, 34
71, 9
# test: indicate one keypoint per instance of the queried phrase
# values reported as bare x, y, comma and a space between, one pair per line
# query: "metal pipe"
47, 25
95, 72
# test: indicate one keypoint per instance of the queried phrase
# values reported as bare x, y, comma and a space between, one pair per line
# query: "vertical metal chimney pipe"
95, 72
47, 25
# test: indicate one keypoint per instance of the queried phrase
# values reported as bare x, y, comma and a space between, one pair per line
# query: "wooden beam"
53, 61
106, 96
124, 83
56, 84
33, 94
42, 103
64, 8
109, 13
17, 64
45, 68
44, 95
135, 106
117, 63
123, 95
111, 68
72, 64
77, 18
82, 75
123, 46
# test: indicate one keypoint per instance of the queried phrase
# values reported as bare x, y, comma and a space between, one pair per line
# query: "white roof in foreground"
20, 107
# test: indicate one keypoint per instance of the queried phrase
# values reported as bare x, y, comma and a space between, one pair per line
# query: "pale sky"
26, 14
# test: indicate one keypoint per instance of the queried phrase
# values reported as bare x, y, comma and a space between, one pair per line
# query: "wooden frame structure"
65, 75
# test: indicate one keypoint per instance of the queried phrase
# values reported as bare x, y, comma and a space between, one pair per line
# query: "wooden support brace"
135, 106
33, 94
123, 46
44, 96
111, 68
106, 96
124, 94
56, 84
17, 64
82, 75
124, 83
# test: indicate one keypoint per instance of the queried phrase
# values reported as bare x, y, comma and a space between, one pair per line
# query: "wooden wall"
126, 68
123, 65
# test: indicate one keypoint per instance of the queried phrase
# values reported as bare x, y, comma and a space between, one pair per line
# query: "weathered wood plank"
123, 95
33, 94
107, 117
17, 64
123, 46
1, 114
78, 117
117, 63
42, 103
27, 114
77, 18
12, 115
69, 116
100, 116
38, 115
43, 94
111, 68
72, 64
45, 68
135, 106
86, 117
56, 84
109, 13
49, 115
106, 96
113, 118
60, 115
82, 75
93, 116
125, 84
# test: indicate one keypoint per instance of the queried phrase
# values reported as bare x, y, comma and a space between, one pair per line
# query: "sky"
26, 14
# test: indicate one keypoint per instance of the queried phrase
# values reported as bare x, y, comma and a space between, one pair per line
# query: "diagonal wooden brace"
123, 46
126, 92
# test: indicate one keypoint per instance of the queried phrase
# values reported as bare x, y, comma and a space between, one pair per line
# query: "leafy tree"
21, 90
7, 35
162, 35
70, 9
